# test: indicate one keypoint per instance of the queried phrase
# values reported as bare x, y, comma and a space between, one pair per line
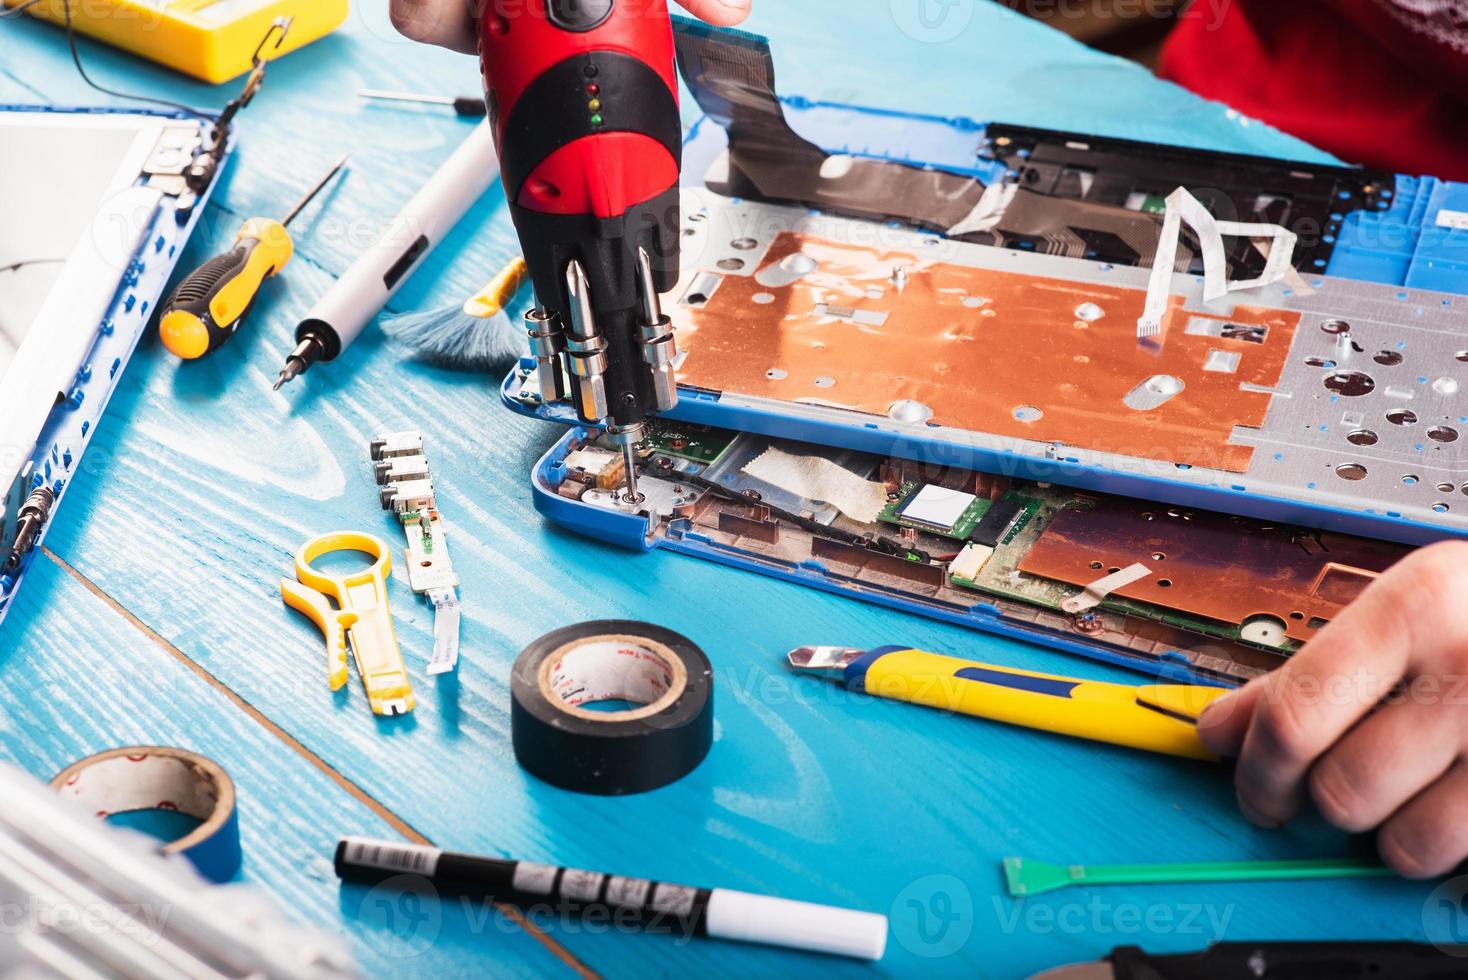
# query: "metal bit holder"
659, 349
29, 522
586, 348
547, 341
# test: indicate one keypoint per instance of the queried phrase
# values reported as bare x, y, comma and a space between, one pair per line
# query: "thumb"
722, 13
446, 23
1225, 722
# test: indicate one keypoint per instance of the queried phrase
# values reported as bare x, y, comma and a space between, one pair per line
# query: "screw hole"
1350, 384
1362, 437
1402, 416
1442, 433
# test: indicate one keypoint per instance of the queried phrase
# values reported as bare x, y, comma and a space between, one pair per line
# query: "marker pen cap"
797, 925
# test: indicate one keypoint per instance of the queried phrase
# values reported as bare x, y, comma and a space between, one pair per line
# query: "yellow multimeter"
212, 40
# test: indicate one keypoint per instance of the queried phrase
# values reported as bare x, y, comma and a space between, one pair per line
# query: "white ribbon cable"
445, 631
1184, 207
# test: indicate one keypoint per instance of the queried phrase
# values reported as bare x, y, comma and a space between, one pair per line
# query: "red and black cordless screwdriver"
583, 98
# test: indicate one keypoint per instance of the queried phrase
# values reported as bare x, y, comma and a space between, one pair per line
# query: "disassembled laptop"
878, 401
79, 279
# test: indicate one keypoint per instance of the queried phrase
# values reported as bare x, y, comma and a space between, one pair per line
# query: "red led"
593, 89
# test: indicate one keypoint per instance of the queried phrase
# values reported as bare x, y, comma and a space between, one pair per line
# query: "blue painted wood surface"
201, 483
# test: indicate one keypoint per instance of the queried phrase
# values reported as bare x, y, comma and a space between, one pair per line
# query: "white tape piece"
817, 478
1292, 277
1457, 220
1184, 207
987, 214
445, 631
1095, 593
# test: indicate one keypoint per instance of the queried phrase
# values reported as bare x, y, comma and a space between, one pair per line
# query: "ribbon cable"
1184, 207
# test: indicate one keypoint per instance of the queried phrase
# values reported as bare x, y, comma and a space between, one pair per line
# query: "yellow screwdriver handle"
207, 307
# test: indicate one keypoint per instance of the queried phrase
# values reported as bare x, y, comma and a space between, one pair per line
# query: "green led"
596, 120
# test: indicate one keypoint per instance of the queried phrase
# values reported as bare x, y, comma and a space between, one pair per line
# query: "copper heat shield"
994, 352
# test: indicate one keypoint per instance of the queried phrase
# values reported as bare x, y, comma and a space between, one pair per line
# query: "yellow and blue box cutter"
1155, 717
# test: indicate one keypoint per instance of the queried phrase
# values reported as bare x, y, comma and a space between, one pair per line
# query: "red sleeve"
1377, 82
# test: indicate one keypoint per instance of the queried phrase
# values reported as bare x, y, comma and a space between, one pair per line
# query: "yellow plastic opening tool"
213, 40
1158, 717
360, 617
210, 304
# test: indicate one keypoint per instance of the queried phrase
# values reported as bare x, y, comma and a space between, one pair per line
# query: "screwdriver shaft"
629, 452
380, 95
311, 194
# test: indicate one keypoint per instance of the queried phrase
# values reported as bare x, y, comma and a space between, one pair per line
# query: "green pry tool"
1024, 878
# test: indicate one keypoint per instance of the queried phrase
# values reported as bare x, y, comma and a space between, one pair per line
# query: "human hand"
1370, 719
448, 23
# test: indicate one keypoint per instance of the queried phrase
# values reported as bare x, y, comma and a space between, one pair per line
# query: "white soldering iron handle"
361, 293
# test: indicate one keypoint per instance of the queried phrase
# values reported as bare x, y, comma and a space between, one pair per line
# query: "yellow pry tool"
1156, 717
361, 617
206, 309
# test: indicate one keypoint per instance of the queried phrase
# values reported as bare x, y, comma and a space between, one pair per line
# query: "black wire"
13, 11
76, 59
15, 267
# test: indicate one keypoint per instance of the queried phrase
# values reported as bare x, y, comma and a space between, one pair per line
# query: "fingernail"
1216, 711
1257, 818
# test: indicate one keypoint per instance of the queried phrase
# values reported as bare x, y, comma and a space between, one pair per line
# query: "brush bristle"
452, 339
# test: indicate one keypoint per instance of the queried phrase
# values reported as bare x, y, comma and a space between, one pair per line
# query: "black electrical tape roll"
610, 753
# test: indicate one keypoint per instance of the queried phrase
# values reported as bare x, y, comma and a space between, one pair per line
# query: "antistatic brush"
477, 336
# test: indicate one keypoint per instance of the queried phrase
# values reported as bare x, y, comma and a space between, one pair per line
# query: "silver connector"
32, 518
547, 341
659, 349
586, 348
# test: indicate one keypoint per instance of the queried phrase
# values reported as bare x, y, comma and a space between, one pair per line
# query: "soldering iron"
582, 97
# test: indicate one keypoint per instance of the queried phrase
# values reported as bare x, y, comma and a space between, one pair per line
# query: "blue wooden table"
154, 615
